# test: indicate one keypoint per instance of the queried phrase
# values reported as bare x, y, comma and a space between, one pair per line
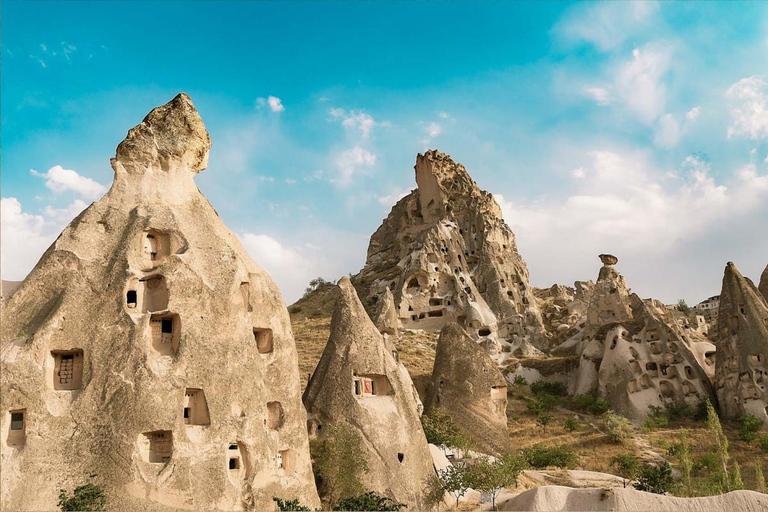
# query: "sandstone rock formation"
763, 286
447, 255
634, 352
360, 383
742, 355
121, 349
555, 497
467, 384
386, 319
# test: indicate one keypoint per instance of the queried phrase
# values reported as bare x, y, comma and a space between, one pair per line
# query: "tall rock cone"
359, 383
763, 286
741, 373
467, 385
121, 349
447, 255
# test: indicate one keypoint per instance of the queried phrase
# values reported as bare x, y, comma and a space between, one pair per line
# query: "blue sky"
634, 128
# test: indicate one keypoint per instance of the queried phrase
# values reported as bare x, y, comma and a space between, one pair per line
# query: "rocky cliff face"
742, 355
763, 286
446, 255
120, 350
636, 353
467, 385
359, 382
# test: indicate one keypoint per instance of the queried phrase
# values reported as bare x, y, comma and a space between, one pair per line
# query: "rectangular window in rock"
372, 385
68, 369
264, 341
165, 331
17, 433
157, 446
195, 407
285, 461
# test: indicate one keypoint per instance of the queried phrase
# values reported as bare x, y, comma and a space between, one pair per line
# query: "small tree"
682, 452
441, 430
759, 478
290, 505
316, 284
627, 466
434, 491
543, 420
736, 482
749, 426
492, 476
683, 307
369, 501
338, 460
618, 427
88, 497
721, 443
655, 479
571, 424
455, 480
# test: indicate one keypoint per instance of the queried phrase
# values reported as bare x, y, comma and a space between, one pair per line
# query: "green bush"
369, 501
543, 421
706, 463
571, 424
618, 427
590, 402
88, 497
540, 456
762, 442
337, 461
441, 430
543, 403
655, 479
290, 505
658, 417
749, 426
544, 387
520, 381
627, 466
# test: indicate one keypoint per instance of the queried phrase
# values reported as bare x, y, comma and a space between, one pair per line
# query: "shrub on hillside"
571, 424
655, 479
762, 442
441, 430
590, 403
618, 427
544, 387
749, 426
85, 497
540, 456
369, 501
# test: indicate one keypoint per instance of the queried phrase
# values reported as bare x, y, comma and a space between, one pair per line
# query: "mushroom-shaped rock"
763, 287
448, 256
467, 385
386, 315
359, 383
120, 349
608, 259
742, 355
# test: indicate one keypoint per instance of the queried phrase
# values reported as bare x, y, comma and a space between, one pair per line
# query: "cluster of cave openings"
156, 446
371, 385
286, 461
234, 459
275, 415
195, 407
156, 247
67, 369
147, 295
165, 331
652, 369
264, 340
17, 431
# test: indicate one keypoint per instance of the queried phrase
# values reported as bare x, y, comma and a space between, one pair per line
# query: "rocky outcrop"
386, 319
741, 375
360, 383
763, 286
447, 255
634, 352
467, 385
121, 348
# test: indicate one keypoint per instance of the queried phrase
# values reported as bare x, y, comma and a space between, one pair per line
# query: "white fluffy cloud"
389, 200
606, 24
667, 132
693, 114
600, 95
353, 161
355, 121
25, 236
625, 206
274, 103
640, 81
749, 110
59, 180
433, 130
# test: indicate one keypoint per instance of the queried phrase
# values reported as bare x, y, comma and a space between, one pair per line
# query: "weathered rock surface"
8, 288
447, 255
566, 498
386, 319
634, 352
467, 385
763, 286
742, 355
121, 349
360, 383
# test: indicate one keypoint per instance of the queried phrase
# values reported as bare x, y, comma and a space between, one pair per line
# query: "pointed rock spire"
358, 382
386, 316
763, 287
467, 385
741, 373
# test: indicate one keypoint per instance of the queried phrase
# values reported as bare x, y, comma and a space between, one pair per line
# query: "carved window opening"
436, 313
195, 407
131, 298
264, 340
484, 331
371, 385
68, 369
157, 446
165, 333
275, 417
17, 433
400, 458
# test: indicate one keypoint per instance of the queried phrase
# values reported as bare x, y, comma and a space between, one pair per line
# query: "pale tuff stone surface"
742, 355
447, 255
635, 352
360, 383
763, 287
148, 353
467, 385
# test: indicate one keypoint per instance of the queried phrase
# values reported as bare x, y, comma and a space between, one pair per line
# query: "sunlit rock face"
360, 383
147, 353
447, 255
636, 353
763, 287
742, 354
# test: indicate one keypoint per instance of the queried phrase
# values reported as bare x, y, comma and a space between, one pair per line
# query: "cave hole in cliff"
156, 294
67, 369
614, 341
652, 368
709, 358
264, 341
195, 407
286, 461
157, 446
435, 301
400, 458
371, 385
484, 331
666, 388
17, 433
157, 247
245, 294
165, 331
498, 392
433, 314
655, 347
275, 417
689, 372
130, 298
